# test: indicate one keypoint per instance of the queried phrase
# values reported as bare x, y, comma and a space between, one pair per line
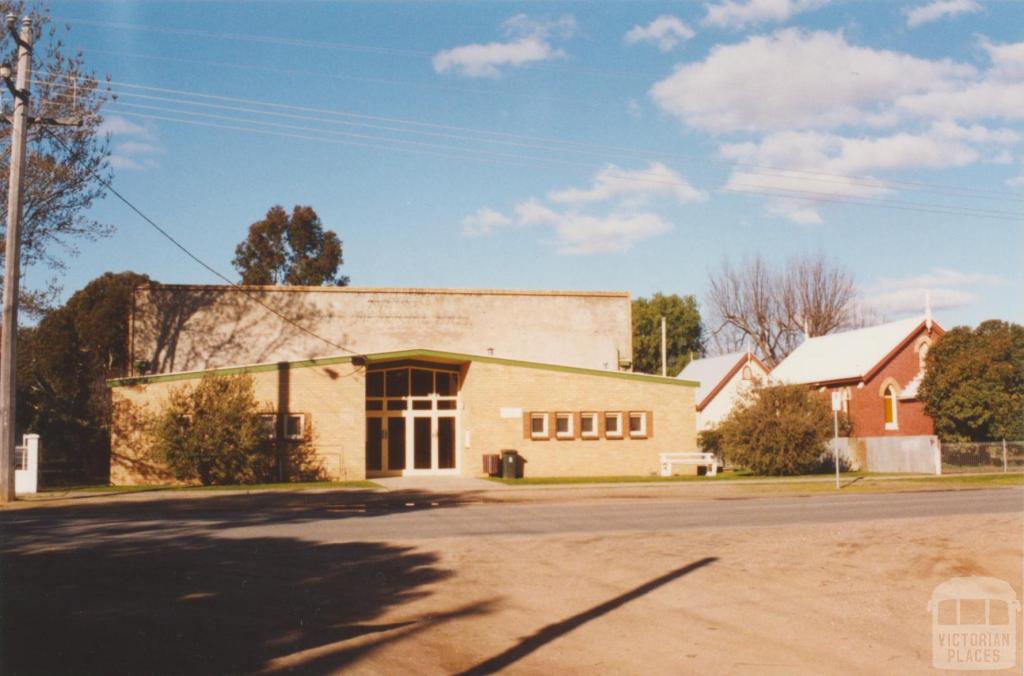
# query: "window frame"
271, 429
618, 433
890, 398
595, 432
642, 433
545, 433
302, 426
570, 433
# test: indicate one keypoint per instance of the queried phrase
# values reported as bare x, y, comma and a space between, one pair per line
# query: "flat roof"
376, 289
417, 353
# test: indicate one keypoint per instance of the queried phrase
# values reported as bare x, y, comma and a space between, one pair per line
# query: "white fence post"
27, 480
1004, 455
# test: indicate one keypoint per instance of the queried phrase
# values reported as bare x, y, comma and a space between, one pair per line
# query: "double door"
411, 442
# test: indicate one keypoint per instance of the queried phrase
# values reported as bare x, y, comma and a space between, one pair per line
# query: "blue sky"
576, 145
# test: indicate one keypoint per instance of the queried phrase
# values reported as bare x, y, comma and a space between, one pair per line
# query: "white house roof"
709, 372
842, 356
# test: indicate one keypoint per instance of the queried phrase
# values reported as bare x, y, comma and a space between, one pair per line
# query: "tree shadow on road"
197, 604
129, 514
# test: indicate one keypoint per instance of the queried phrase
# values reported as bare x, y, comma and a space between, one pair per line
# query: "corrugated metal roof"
841, 356
709, 372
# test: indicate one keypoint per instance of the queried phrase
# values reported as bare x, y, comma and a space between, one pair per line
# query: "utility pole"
664, 361
8, 341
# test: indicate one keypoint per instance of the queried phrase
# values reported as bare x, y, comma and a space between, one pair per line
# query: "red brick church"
877, 371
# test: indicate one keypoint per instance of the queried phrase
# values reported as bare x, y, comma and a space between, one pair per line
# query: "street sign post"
837, 404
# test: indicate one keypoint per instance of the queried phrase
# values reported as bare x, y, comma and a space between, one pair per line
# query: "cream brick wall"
185, 328
490, 387
332, 395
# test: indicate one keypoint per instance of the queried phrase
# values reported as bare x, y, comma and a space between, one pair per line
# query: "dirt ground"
307, 583
842, 598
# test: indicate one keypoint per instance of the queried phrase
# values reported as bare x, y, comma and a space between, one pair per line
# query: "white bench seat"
700, 459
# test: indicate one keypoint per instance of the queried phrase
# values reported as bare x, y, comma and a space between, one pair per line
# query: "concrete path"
439, 484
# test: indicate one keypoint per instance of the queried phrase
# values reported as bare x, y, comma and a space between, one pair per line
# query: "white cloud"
633, 187
483, 222
997, 93
940, 9
739, 14
529, 43
627, 199
794, 79
118, 125
1007, 60
947, 290
665, 33
816, 167
532, 212
580, 234
137, 152
634, 110
1016, 181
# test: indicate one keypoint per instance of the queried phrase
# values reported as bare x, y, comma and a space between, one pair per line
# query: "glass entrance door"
412, 420
385, 443
445, 442
396, 443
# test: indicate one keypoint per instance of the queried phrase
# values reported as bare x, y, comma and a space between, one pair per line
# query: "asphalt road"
345, 517
647, 515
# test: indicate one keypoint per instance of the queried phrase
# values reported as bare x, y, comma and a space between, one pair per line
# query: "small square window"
563, 426
637, 424
588, 425
539, 426
295, 426
613, 425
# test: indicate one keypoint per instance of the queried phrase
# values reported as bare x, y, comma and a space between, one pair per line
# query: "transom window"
411, 388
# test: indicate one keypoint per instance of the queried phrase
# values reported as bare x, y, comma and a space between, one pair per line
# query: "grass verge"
818, 483
285, 486
730, 475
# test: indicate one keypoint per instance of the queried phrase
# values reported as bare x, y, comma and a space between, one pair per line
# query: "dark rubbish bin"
511, 464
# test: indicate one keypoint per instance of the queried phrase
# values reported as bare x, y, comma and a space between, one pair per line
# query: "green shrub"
781, 429
710, 441
211, 433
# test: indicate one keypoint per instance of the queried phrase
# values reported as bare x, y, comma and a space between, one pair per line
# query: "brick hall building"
877, 371
393, 382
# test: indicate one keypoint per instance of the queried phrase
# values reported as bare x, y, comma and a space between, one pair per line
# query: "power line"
263, 70
821, 197
106, 184
322, 44
576, 146
506, 158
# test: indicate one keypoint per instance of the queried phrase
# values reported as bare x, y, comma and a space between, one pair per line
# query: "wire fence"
982, 456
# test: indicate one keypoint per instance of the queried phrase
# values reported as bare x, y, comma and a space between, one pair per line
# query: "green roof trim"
226, 371
382, 357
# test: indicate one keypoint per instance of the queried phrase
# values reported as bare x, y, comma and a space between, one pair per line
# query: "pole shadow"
555, 631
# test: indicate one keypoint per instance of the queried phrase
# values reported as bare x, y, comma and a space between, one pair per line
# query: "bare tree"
770, 309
